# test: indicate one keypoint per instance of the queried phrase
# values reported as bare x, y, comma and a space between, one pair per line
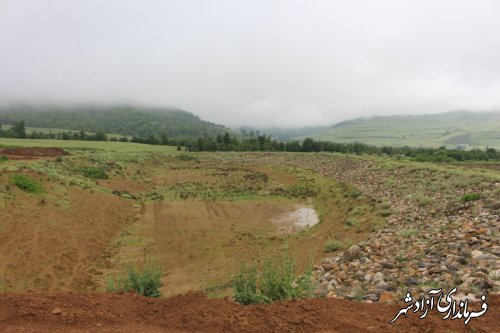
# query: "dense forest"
139, 122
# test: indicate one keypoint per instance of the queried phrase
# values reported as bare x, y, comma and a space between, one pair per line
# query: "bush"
145, 281
3, 158
333, 245
422, 199
352, 223
408, 233
273, 280
359, 210
94, 173
186, 157
25, 183
352, 193
470, 197
245, 286
301, 191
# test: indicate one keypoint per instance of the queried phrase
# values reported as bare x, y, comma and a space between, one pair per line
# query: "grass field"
104, 145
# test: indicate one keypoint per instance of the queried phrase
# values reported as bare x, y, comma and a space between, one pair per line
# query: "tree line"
18, 131
266, 143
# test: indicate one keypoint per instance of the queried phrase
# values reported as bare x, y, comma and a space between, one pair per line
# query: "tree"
19, 130
101, 136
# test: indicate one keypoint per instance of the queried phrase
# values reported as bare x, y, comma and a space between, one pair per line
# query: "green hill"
475, 129
136, 121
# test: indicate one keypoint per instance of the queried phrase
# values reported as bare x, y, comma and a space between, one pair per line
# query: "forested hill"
135, 121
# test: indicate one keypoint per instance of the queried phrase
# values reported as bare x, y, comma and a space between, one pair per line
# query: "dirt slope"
21, 153
61, 244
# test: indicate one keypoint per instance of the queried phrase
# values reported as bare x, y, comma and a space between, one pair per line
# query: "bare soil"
193, 312
200, 242
60, 241
21, 153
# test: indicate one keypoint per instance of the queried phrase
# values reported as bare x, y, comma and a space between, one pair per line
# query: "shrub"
422, 199
3, 158
300, 191
352, 193
470, 197
385, 212
145, 281
359, 210
94, 173
26, 183
352, 223
333, 245
408, 233
245, 286
273, 280
186, 157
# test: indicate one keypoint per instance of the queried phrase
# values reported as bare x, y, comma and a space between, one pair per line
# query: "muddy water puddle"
299, 218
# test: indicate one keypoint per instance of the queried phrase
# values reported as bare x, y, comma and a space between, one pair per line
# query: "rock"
354, 264
382, 286
353, 252
328, 267
371, 297
473, 240
57, 311
322, 292
495, 275
476, 254
409, 282
435, 270
378, 277
386, 264
495, 205
387, 297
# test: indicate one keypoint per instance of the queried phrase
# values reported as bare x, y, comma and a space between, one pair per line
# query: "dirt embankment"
21, 153
193, 312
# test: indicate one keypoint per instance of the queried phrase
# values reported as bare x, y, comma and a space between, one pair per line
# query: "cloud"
261, 63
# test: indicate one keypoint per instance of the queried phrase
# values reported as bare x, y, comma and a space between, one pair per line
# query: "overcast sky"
260, 63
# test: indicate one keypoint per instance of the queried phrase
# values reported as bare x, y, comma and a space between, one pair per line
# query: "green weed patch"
273, 280
470, 197
94, 173
26, 183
